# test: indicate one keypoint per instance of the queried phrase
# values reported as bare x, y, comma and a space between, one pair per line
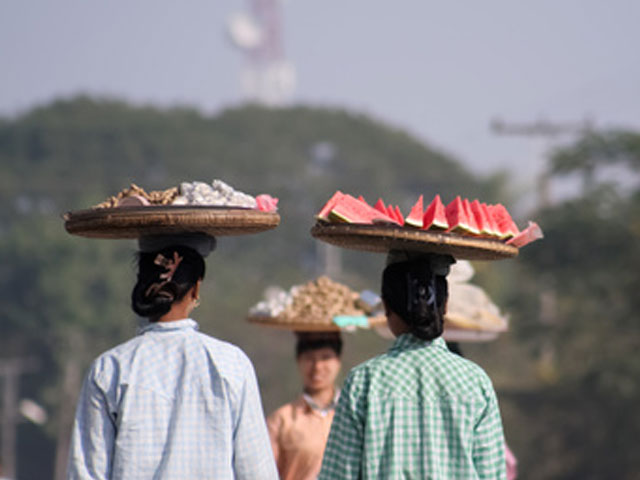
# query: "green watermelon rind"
416, 215
461, 225
325, 211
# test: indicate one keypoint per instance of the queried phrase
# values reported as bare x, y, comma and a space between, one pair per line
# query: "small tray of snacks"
215, 209
321, 305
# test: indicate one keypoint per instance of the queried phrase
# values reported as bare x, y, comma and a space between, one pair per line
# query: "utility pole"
548, 301
10, 370
545, 129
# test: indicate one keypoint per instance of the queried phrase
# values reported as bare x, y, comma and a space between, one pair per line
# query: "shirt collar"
408, 341
317, 408
168, 326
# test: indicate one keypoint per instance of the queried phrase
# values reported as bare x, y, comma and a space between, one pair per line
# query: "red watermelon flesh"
504, 222
435, 217
361, 198
493, 226
399, 216
481, 219
323, 214
391, 213
351, 210
416, 215
380, 206
457, 216
473, 225
530, 234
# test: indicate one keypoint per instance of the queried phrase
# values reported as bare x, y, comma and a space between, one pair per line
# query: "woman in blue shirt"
171, 402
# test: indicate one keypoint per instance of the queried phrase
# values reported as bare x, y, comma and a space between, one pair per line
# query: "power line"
545, 129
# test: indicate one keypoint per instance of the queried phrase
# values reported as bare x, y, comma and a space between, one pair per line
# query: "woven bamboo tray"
382, 238
312, 325
133, 222
468, 336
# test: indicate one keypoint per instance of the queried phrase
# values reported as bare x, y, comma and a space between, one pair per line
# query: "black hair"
316, 342
417, 295
153, 294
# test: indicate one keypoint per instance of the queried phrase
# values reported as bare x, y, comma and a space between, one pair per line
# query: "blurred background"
534, 105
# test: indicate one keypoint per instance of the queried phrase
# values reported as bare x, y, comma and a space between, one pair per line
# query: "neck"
322, 398
178, 311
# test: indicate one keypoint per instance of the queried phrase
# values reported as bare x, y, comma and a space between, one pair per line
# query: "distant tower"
267, 78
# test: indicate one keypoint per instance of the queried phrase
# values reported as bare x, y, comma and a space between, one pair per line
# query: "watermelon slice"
481, 219
416, 215
380, 206
493, 226
504, 222
391, 213
435, 217
351, 210
457, 217
399, 216
531, 233
473, 225
323, 214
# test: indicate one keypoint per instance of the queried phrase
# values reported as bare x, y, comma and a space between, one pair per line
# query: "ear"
195, 291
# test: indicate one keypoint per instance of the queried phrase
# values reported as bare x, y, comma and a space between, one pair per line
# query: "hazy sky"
442, 70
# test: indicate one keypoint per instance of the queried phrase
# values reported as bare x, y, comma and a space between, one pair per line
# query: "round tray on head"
321, 325
382, 238
133, 222
468, 336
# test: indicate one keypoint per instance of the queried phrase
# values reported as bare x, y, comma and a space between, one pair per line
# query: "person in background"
171, 403
418, 411
299, 429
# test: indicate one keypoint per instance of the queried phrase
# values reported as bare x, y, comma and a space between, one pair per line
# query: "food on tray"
163, 197
218, 194
460, 216
316, 303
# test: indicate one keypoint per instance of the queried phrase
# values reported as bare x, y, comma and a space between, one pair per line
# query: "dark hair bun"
165, 277
417, 295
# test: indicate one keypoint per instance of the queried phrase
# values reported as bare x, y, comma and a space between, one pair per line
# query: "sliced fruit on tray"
351, 210
457, 217
435, 217
482, 221
505, 224
460, 216
531, 233
416, 215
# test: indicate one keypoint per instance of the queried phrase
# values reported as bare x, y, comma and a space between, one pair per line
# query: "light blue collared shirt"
171, 403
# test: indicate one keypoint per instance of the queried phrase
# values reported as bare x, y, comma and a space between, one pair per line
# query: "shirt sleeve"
252, 455
274, 425
93, 435
344, 452
488, 445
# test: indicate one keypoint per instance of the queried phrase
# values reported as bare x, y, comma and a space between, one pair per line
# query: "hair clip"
171, 265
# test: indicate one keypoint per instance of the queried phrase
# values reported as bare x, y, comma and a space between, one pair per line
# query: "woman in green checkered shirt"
418, 411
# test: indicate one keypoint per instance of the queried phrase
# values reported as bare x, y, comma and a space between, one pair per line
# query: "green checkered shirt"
418, 411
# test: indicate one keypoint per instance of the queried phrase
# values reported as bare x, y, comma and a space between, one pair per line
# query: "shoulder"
227, 357
282, 413
286, 409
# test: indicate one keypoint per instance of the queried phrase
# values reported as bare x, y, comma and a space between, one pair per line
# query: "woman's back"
417, 411
177, 403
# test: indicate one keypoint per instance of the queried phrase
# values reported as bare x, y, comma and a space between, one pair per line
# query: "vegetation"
565, 373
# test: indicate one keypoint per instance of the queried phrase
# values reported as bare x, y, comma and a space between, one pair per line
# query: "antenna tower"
267, 77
